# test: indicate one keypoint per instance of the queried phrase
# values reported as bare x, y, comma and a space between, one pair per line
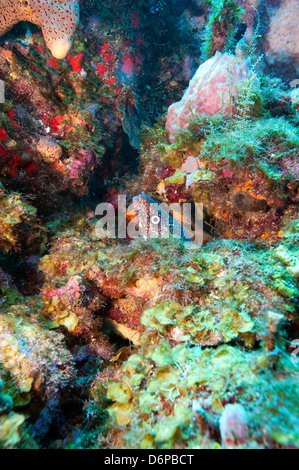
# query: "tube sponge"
58, 20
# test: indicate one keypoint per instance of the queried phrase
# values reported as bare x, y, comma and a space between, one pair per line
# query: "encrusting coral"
179, 310
35, 365
58, 20
176, 398
15, 213
226, 292
288, 250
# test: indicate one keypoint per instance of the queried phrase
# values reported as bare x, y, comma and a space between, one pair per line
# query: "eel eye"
155, 219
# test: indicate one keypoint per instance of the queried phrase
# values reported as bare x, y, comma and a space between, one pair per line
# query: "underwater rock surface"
149, 343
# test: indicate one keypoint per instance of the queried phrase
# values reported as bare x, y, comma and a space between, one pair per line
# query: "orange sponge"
58, 20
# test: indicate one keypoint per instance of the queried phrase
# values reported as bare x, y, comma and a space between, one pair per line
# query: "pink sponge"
208, 92
233, 425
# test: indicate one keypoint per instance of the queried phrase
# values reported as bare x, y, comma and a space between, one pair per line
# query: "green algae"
181, 377
200, 381
224, 16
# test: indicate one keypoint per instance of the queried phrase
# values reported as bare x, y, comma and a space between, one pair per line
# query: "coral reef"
171, 308
34, 126
17, 219
88, 104
35, 363
110, 341
240, 165
177, 396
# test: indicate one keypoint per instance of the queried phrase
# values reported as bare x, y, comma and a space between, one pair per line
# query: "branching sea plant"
224, 19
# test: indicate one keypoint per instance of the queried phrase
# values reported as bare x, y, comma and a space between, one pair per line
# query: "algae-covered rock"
187, 396
117, 342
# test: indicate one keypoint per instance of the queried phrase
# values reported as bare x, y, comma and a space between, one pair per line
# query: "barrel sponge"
57, 18
208, 92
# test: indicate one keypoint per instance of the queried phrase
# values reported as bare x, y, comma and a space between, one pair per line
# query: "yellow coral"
9, 429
